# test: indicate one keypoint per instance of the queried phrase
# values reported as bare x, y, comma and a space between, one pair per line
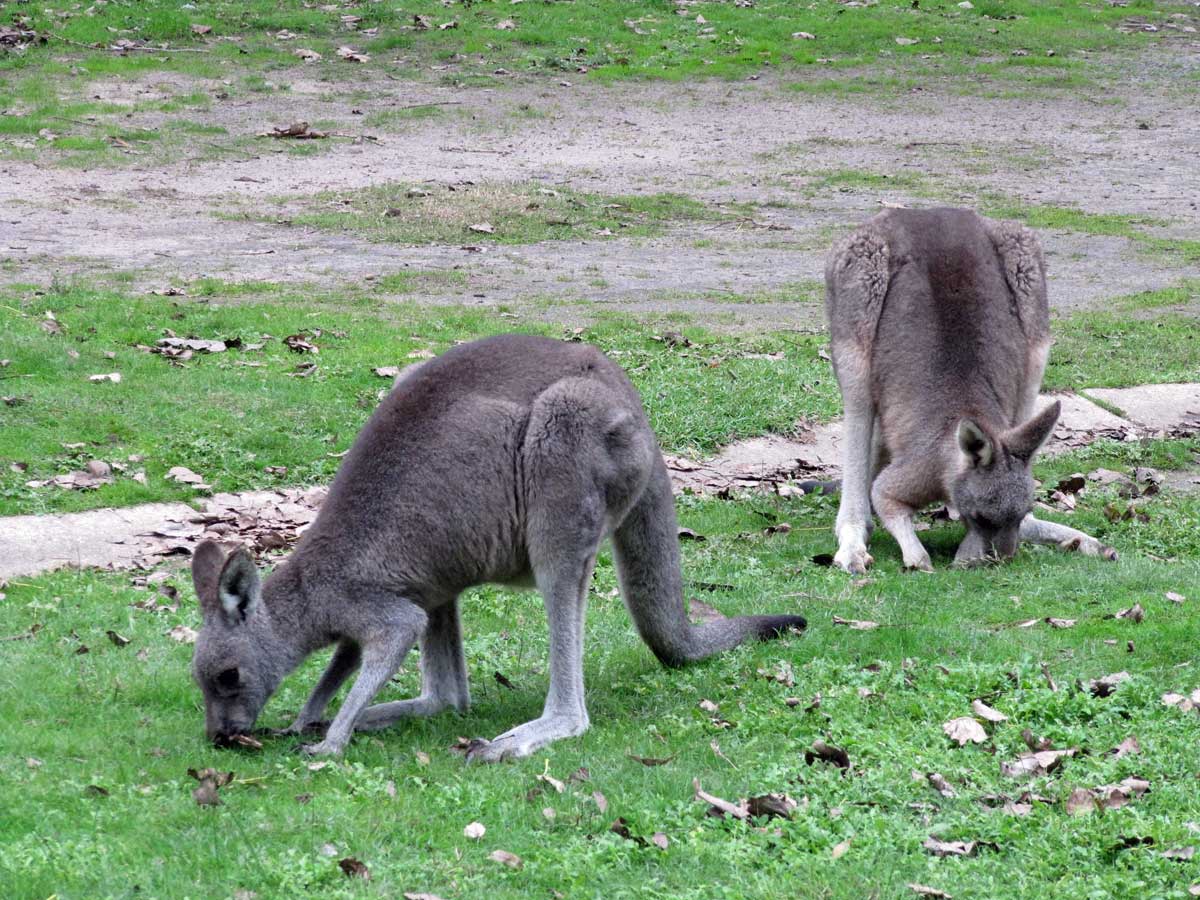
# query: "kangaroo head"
993, 491
233, 662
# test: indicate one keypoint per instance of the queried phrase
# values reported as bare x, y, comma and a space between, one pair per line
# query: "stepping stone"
1159, 407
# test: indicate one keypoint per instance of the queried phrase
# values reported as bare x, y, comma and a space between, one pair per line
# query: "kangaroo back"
953, 337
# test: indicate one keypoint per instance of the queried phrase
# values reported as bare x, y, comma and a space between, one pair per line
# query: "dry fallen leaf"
1135, 613
419, 895
1174, 597
941, 785
474, 831
1080, 802
1181, 853
660, 840
718, 806
183, 634
965, 729
950, 848
1127, 747
601, 801
1103, 687
211, 781
307, 55
114, 377
857, 625
1039, 762
984, 711
118, 639
482, 228
839, 849
354, 868
771, 806
349, 54
651, 760
505, 858
387, 371
925, 891
824, 752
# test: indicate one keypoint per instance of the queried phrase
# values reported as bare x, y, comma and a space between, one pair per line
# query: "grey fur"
507, 460
940, 330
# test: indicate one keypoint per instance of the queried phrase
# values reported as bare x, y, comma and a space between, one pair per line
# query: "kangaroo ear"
975, 444
207, 562
1024, 440
238, 587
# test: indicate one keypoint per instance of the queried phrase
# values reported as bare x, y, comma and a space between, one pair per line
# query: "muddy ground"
1131, 151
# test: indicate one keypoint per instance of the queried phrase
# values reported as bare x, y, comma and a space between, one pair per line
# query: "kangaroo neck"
286, 604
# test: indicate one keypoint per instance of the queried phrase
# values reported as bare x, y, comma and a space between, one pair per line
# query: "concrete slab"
1081, 422
1160, 407
104, 538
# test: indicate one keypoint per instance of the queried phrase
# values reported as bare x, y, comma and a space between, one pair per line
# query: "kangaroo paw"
324, 748
855, 560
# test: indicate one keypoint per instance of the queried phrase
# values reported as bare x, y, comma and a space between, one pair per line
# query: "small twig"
59, 37
432, 103
74, 121
473, 150
216, 146
30, 375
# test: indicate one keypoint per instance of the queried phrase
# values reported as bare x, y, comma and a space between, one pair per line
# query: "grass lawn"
96, 745
210, 51
238, 416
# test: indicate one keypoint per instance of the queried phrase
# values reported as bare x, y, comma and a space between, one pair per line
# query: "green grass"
1185, 295
128, 720
485, 213
617, 38
229, 421
1103, 349
1068, 218
232, 415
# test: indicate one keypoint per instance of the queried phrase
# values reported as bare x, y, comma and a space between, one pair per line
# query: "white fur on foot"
525, 739
855, 560
324, 748
920, 563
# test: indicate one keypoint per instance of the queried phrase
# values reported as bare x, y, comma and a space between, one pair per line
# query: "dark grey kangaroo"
508, 460
940, 330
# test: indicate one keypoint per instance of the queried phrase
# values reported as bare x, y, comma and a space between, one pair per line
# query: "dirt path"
747, 142
142, 537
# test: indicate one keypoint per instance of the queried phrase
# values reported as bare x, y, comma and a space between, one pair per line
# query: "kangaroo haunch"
507, 460
940, 329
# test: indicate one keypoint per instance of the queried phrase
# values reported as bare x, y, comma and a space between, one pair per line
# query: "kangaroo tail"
820, 487
646, 548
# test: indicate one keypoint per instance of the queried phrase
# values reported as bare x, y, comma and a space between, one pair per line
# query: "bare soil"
758, 142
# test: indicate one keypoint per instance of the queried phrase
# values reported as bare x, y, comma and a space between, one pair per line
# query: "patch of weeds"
1101, 349
1125, 225
381, 117
486, 213
414, 281
229, 415
1184, 294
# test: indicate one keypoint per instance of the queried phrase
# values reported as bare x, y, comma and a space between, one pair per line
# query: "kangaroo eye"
228, 680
